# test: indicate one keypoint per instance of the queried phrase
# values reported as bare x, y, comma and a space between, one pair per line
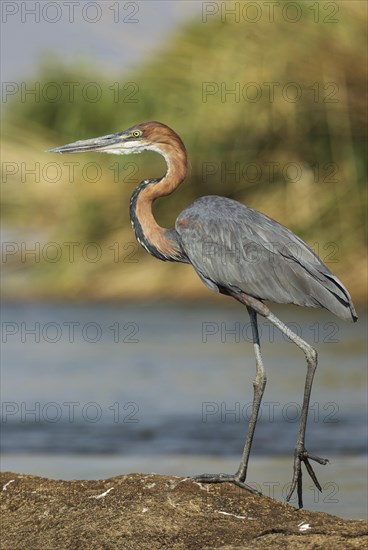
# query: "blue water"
92, 391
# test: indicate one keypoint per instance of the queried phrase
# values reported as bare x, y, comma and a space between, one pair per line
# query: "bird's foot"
302, 455
224, 478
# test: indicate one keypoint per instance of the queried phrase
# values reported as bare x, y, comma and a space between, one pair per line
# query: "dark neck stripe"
141, 238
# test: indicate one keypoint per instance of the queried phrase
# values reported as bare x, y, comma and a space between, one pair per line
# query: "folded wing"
240, 249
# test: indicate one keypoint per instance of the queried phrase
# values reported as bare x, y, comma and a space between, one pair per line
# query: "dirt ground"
140, 511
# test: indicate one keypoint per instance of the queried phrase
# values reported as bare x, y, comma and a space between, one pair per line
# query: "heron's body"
236, 251
235, 248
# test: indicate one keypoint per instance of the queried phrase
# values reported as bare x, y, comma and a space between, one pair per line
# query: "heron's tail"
340, 302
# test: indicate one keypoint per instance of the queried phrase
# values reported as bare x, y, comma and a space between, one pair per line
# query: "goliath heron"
206, 233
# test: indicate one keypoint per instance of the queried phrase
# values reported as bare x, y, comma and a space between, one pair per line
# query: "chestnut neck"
157, 240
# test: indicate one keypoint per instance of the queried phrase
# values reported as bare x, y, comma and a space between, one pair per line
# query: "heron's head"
153, 136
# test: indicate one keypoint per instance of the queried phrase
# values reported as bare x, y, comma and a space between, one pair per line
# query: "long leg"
300, 454
259, 386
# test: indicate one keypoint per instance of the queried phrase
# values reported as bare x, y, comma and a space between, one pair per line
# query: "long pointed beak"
113, 143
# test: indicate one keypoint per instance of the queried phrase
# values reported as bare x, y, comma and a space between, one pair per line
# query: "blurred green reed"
272, 114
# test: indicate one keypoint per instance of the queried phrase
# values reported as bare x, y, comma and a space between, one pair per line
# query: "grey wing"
238, 248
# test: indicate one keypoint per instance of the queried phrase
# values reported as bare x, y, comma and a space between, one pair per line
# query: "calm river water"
91, 391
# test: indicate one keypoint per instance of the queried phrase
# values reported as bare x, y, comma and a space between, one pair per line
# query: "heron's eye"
136, 133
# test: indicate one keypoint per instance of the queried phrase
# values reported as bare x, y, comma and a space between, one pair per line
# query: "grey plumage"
238, 248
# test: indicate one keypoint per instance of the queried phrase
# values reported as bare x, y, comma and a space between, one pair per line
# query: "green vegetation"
272, 114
